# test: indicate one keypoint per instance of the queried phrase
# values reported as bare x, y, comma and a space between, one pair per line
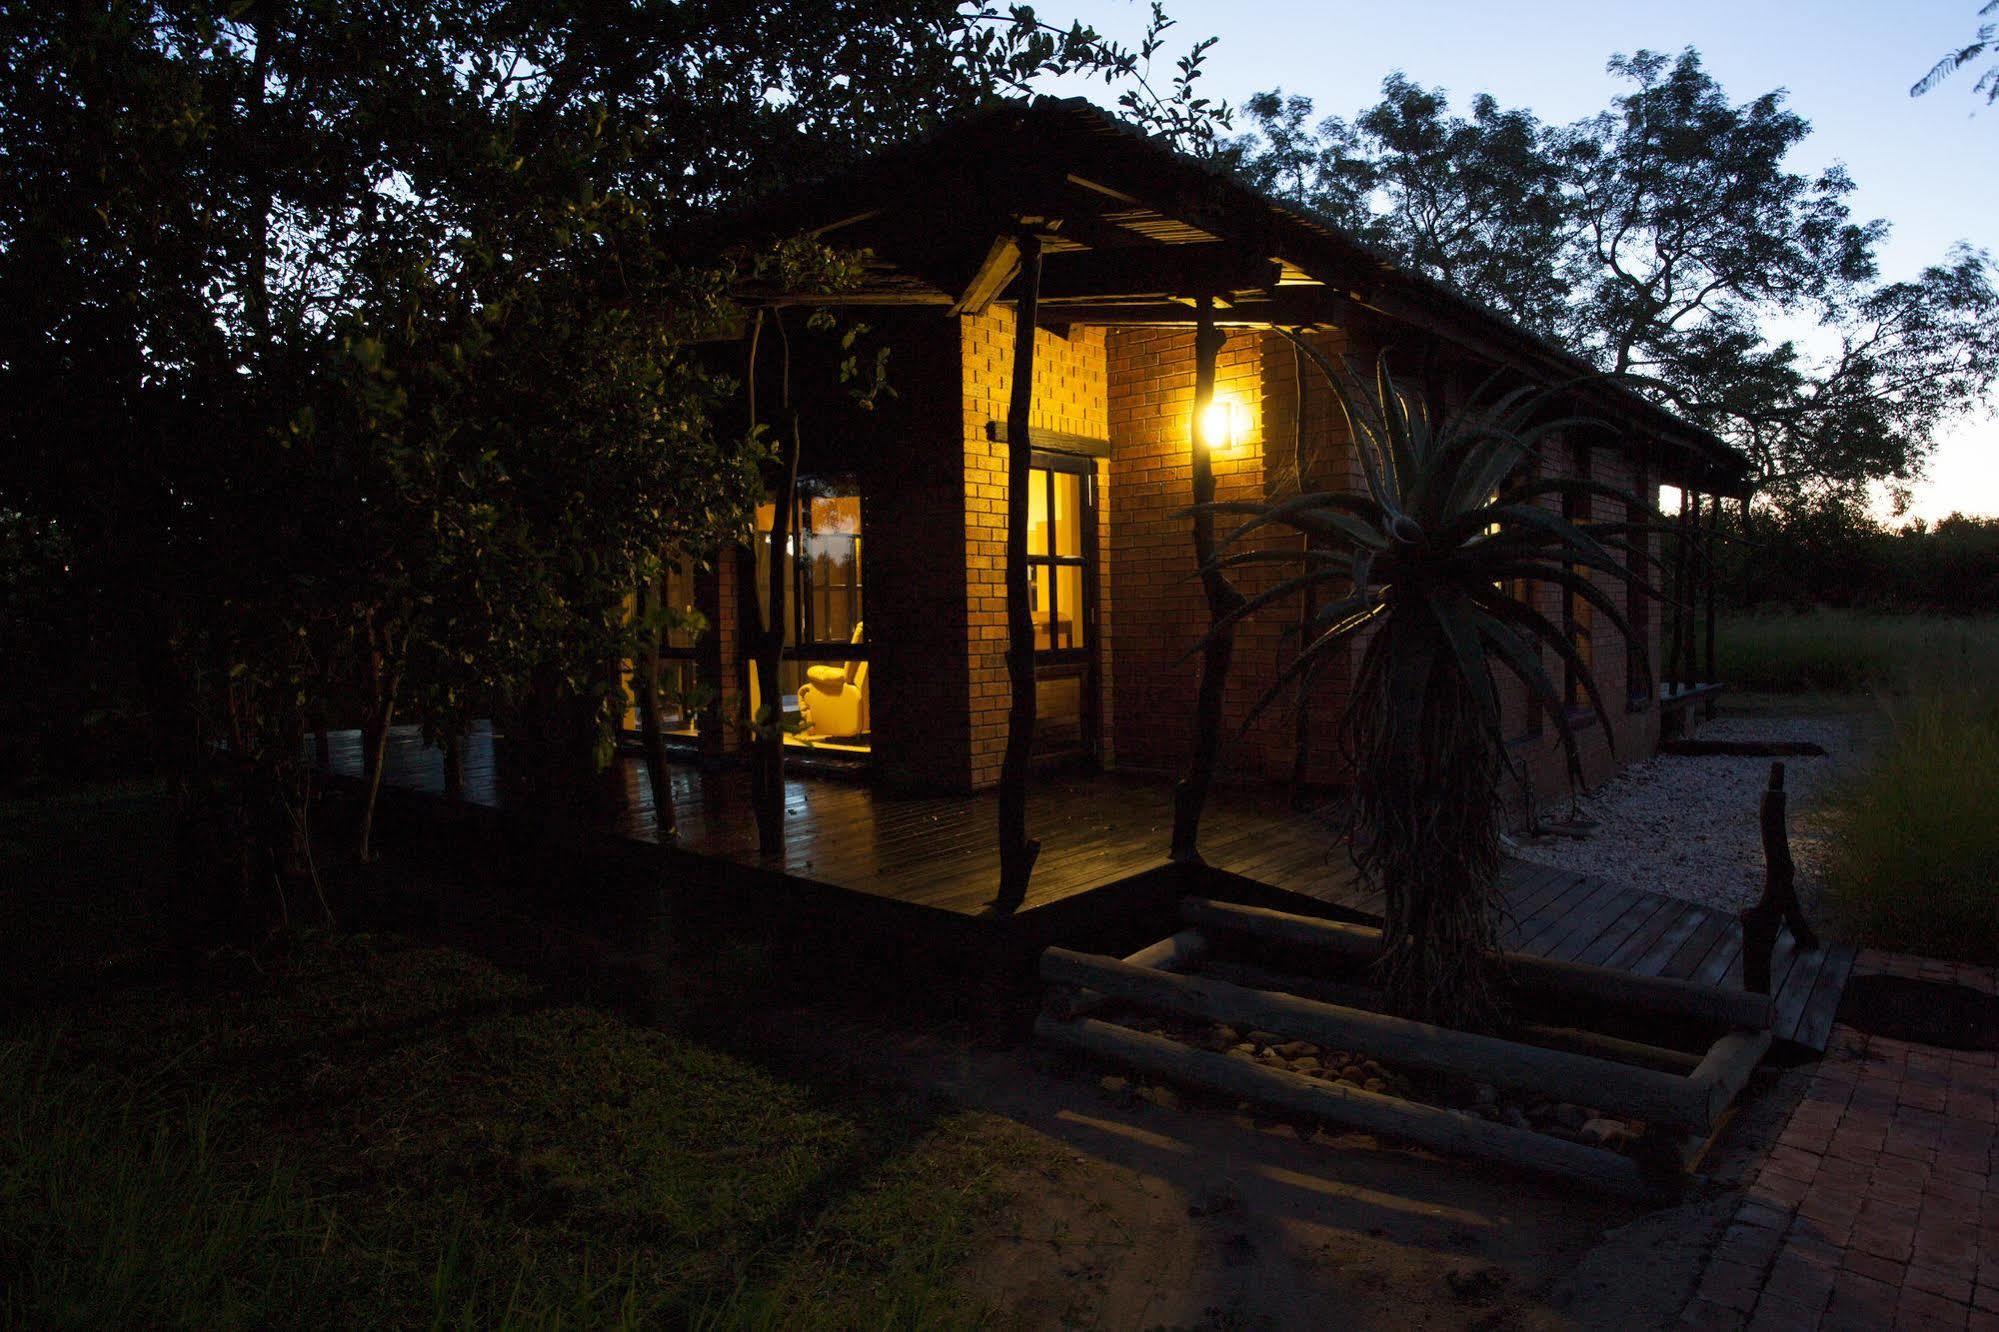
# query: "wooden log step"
1362, 943
1657, 1098
1351, 1107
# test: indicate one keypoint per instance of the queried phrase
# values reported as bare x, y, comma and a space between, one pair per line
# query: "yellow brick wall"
1069, 396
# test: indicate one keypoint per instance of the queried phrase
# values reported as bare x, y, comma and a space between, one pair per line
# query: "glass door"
1062, 588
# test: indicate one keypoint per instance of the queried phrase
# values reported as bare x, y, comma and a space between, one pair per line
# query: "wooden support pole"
1779, 904
1017, 851
1191, 794
647, 606
1708, 549
1308, 605
762, 631
1690, 591
1362, 944
1351, 1107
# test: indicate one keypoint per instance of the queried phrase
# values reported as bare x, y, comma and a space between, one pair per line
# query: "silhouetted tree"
1663, 237
1969, 54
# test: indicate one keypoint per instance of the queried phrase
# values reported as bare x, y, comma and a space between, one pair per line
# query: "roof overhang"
1131, 233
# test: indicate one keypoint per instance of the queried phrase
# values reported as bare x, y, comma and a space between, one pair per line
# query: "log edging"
1660, 1098
1351, 1107
1361, 943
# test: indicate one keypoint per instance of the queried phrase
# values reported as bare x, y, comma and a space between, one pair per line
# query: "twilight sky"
1925, 164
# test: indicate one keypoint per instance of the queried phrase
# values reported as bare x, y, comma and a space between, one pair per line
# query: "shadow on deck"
901, 886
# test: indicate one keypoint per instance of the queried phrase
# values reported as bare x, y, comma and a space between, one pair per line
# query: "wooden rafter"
990, 278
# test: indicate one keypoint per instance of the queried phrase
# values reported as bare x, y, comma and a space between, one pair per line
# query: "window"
1056, 564
682, 693
1061, 583
825, 664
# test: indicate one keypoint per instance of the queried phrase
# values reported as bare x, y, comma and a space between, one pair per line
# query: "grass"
1914, 838
364, 1131
1850, 652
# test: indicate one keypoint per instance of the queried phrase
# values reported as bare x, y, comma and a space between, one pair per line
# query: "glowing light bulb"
1222, 425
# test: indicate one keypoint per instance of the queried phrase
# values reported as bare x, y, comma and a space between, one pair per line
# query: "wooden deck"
1100, 833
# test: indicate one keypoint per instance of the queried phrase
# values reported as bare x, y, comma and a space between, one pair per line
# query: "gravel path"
1686, 827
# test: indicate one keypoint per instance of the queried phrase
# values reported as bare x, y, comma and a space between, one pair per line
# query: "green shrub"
1914, 839
1850, 652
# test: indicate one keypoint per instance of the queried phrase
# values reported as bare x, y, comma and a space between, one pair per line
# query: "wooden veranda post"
1677, 667
1017, 850
1191, 794
763, 632
647, 605
1779, 903
1308, 605
1708, 671
1690, 591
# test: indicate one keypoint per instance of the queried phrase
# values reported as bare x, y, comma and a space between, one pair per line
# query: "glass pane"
679, 597
1037, 512
1068, 625
1040, 589
1068, 514
831, 541
765, 514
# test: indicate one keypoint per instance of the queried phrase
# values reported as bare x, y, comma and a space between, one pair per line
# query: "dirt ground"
1157, 1211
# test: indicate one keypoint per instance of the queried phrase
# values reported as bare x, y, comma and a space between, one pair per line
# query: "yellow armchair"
833, 701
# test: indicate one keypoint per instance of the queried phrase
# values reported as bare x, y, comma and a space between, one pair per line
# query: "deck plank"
940, 852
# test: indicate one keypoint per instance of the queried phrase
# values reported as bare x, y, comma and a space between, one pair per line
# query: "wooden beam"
997, 269
1017, 850
1158, 271
1191, 794
1296, 306
1061, 441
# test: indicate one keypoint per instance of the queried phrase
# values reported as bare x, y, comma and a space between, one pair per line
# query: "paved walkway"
1878, 1204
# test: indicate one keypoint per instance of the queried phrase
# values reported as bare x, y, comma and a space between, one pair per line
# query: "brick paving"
1877, 1206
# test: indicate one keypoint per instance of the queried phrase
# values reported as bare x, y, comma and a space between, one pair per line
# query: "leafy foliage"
1968, 54
352, 353
1666, 237
1413, 570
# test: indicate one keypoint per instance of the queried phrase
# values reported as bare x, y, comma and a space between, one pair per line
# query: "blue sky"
1925, 164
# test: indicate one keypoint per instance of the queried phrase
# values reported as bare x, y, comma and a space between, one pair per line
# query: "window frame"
800, 643
1052, 464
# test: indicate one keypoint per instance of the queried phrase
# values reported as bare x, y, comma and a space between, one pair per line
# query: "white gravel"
1686, 827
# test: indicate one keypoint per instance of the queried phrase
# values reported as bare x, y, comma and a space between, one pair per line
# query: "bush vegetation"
361, 1131
1851, 651
1914, 862
1831, 551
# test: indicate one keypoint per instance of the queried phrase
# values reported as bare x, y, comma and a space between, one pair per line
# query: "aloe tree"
1413, 570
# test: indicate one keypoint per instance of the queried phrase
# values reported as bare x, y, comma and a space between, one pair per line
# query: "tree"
1415, 568
1476, 203
352, 349
1969, 54
1664, 238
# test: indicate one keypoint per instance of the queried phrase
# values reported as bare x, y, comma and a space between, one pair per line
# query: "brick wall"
935, 526
1069, 396
1163, 611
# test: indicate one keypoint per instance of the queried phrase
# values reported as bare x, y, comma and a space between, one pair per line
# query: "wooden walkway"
1097, 831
